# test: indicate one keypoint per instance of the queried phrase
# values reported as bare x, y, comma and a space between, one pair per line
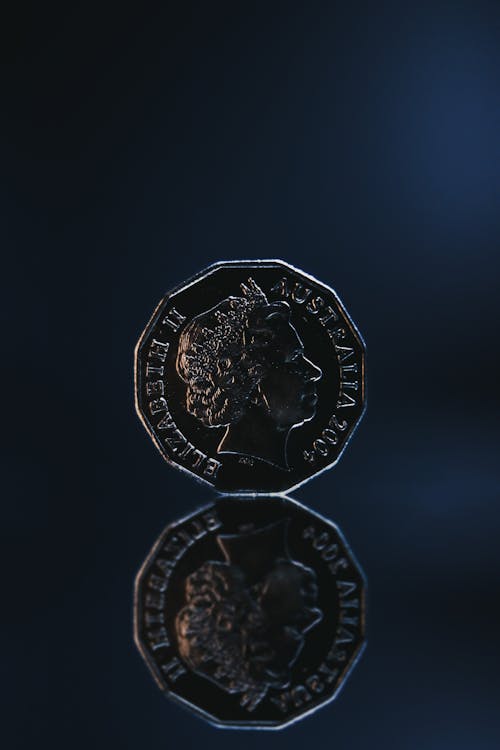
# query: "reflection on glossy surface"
251, 613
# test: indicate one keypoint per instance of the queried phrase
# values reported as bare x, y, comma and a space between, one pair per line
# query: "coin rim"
190, 282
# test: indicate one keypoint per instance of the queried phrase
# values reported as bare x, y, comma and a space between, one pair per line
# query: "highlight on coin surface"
250, 376
250, 613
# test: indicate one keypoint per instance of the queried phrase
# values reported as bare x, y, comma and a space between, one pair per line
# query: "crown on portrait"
230, 318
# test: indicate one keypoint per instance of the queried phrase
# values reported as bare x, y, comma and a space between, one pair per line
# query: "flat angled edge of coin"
251, 614
250, 377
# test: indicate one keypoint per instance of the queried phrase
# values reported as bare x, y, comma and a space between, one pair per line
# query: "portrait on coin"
244, 621
244, 367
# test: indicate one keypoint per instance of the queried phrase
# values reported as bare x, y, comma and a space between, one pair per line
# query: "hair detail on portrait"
218, 356
244, 620
225, 357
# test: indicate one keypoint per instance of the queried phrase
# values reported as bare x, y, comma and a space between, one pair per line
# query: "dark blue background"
359, 142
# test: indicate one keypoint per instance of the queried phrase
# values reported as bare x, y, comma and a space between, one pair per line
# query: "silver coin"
250, 376
250, 612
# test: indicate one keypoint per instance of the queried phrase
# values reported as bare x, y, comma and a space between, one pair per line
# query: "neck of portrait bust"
258, 436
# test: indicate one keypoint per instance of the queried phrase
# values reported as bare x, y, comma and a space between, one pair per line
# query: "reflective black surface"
358, 141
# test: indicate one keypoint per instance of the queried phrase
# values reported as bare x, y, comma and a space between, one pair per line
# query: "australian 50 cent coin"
250, 376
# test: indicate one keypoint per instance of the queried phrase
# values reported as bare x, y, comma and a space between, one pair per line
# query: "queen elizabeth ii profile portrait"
244, 368
244, 621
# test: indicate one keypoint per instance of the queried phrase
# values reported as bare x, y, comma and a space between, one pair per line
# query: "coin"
250, 612
250, 376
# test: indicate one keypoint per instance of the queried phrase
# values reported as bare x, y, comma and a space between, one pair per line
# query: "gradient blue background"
357, 141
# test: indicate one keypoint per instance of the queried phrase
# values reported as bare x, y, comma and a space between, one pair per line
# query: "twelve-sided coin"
250, 376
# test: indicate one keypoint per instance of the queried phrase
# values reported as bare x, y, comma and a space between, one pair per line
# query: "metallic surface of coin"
251, 377
250, 612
